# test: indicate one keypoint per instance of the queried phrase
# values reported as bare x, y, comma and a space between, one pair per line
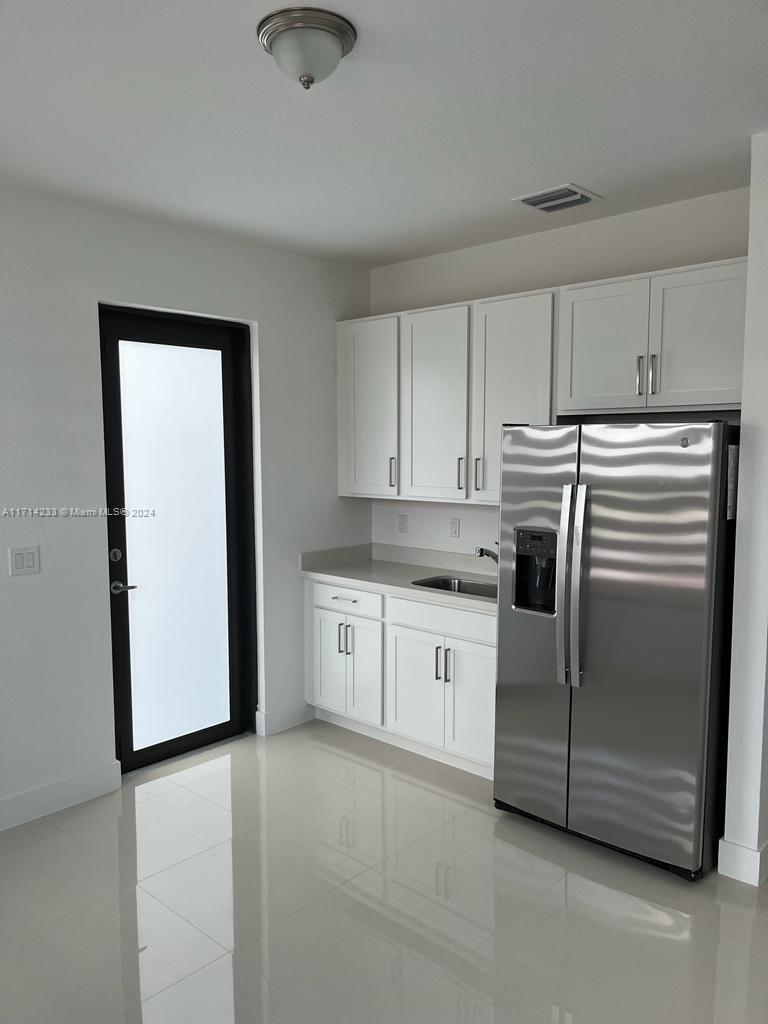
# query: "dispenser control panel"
542, 543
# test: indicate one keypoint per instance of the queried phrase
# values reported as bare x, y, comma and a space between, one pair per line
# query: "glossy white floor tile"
322, 877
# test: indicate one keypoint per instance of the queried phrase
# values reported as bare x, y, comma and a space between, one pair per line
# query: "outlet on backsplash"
402, 523
454, 527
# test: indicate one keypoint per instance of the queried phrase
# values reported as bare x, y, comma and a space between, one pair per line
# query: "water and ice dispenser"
535, 571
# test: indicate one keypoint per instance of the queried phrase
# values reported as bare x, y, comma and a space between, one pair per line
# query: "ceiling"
443, 111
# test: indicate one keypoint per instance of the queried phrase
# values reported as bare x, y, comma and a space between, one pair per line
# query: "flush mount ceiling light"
306, 42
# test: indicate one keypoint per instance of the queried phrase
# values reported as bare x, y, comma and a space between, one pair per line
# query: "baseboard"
413, 746
268, 724
743, 863
36, 803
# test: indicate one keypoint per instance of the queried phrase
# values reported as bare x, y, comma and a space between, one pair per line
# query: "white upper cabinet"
367, 354
697, 336
511, 379
434, 388
665, 340
603, 346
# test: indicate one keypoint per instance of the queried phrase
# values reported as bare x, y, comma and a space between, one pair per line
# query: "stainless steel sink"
456, 585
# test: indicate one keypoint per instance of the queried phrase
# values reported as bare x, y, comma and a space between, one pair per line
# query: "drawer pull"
349, 600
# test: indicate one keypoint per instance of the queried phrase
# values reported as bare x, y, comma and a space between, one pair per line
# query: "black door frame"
233, 341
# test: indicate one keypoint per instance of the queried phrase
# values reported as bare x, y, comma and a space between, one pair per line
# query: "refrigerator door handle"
560, 587
576, 565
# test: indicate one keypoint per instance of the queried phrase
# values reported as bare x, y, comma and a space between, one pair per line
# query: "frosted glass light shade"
307, 54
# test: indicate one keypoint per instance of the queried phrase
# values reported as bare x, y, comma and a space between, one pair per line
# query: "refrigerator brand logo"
685, 442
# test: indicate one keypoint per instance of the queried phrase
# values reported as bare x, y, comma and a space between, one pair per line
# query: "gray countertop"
396, 578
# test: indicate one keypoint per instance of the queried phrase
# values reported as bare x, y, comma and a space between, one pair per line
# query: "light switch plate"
454, 527
402, 523
23, 561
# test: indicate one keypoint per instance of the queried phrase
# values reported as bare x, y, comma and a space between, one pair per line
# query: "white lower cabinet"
364, 670
470, 699
430, 680
440, 690
415, 687
346, 665
329, 672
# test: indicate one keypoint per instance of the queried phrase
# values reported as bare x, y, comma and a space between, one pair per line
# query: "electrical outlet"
23, 561
454, 527
402, 523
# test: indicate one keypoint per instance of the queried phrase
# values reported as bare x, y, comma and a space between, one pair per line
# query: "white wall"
744, 851
428, 525
694, 231
58, 259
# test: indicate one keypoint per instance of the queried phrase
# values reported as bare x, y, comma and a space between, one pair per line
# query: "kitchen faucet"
487, 553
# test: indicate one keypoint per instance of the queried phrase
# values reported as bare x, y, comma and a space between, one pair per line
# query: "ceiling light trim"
306, 17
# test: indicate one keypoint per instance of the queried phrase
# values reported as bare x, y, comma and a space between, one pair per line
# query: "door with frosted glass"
177, 430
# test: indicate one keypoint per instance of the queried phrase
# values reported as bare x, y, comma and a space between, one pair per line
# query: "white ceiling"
443, 111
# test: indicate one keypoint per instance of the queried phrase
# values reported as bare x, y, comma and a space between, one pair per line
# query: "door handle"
117, 587
393, 472
341, 638
576, 569
349, 639
652, 375
478, 464
560, 577
446, 664
460, 472
437, 662
639, 376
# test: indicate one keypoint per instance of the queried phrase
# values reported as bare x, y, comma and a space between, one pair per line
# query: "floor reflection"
323, 877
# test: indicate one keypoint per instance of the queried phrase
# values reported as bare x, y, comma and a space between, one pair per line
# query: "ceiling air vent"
561, 198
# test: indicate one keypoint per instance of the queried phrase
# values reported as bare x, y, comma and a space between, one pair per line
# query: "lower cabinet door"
329, 671
415, 697
470, 699
363, 643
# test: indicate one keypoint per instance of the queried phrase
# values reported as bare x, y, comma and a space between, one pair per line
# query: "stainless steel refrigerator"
613, 583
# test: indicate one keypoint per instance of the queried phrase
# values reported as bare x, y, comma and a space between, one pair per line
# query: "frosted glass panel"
173, 464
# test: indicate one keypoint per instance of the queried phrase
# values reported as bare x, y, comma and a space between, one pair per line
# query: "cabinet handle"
341, 638
446, 664
393, 472
347, 600
478, 463
639, 376
349, 639
437, 662
652, 376
460, 473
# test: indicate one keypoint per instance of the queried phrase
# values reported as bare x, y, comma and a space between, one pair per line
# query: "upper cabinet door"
435, 367
511, 379
368, 414
697, 336
603, 346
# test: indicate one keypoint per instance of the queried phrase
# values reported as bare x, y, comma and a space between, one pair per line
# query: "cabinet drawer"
447, 621
347, 601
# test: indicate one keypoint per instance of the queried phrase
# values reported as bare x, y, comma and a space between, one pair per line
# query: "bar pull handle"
639, 375
341, 638
560, 578
478, 464
393, 472
347, 600
349, 639
652, 375
446, 665
576, 571
437, 663
460, 473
